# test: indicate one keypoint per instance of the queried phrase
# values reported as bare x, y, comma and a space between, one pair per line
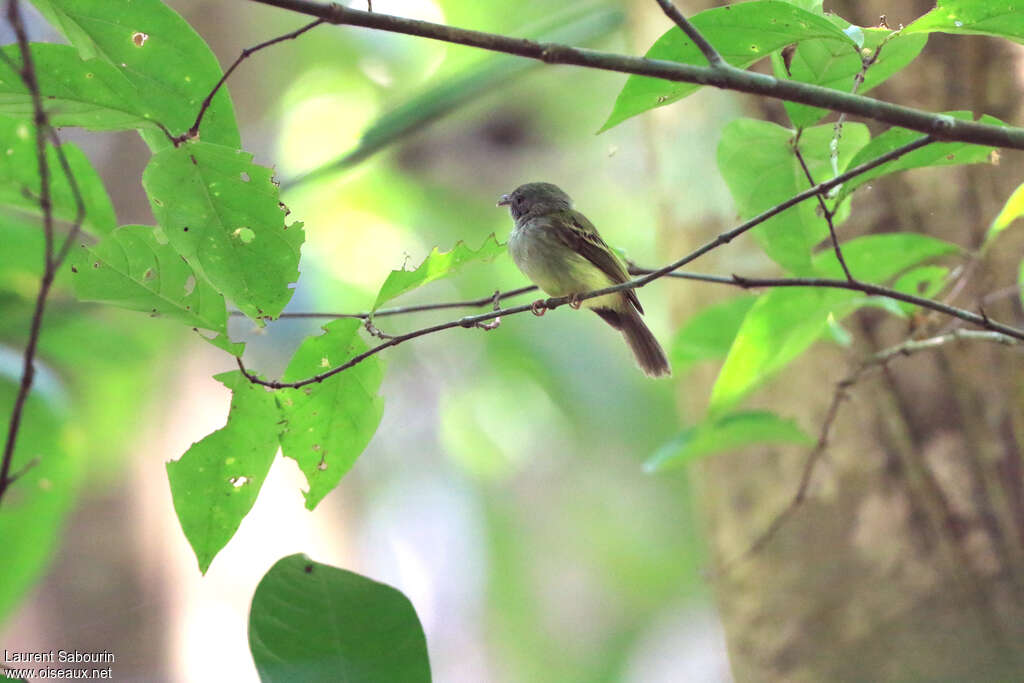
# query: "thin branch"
980, 319
858, 80
470, 321
709, 52
727, 237
474, 303
824, 208
875, 361
50, 262
724, 76
193, 132
537, 307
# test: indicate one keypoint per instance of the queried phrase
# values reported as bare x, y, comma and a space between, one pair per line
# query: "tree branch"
709, 52
825, 212
554, 302
724, 76
51, 260
876, 360
193, 132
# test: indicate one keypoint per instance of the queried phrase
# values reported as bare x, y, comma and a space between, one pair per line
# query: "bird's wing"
581, 236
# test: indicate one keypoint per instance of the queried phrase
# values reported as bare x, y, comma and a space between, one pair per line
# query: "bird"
561, 252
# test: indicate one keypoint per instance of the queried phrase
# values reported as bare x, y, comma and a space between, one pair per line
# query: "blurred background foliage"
504, 491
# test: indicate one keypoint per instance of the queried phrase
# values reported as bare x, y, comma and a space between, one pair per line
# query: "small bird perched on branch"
560, 251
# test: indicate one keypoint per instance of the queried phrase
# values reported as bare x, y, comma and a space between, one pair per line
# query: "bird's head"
536, 199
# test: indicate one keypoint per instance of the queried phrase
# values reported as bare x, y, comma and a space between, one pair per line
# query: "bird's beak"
505, 200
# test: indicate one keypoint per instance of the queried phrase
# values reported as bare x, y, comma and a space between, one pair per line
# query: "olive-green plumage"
563, 254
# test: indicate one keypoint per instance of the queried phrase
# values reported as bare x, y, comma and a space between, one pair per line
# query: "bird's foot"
539, 307
575, 302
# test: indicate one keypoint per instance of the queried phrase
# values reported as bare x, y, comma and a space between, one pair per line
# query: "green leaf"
784, 322
879, 258
726, 433
831, 64
1021, 281
709, 334
20, 183
935, 154
1012, 210
312, 622
756, 160
36, 505
329, 423
215, 483
93, 95
742, 33
437, 265
221, 213
130, 268
168, 67
1004, 19
926, 281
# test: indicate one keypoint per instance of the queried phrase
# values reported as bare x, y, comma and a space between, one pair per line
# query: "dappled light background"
504, 492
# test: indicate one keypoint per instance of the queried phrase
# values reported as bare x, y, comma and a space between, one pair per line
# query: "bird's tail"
649, 354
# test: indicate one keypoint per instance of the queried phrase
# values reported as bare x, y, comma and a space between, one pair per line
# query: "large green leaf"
93, 94
935, 154
221, 213
315, 623
726, 433
786, 321
832, 64
20, 185
132, 269
1002, 18
742, 33
169, 67
709, 334
328, 424
756, 160
437, 265
215, 483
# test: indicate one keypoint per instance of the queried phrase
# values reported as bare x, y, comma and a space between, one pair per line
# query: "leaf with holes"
130, 268
221, 213
155, 55
742, 33
437, 265
313, 622
329, 423
215, 483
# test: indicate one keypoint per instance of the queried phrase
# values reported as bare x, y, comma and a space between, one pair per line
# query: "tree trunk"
904, 562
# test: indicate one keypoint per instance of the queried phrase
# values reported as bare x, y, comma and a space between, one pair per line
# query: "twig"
193, 132
51, 260
736, 280
474, 303
824, 207
980, 319
709, 52
554, 302
723, 76
877, 360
